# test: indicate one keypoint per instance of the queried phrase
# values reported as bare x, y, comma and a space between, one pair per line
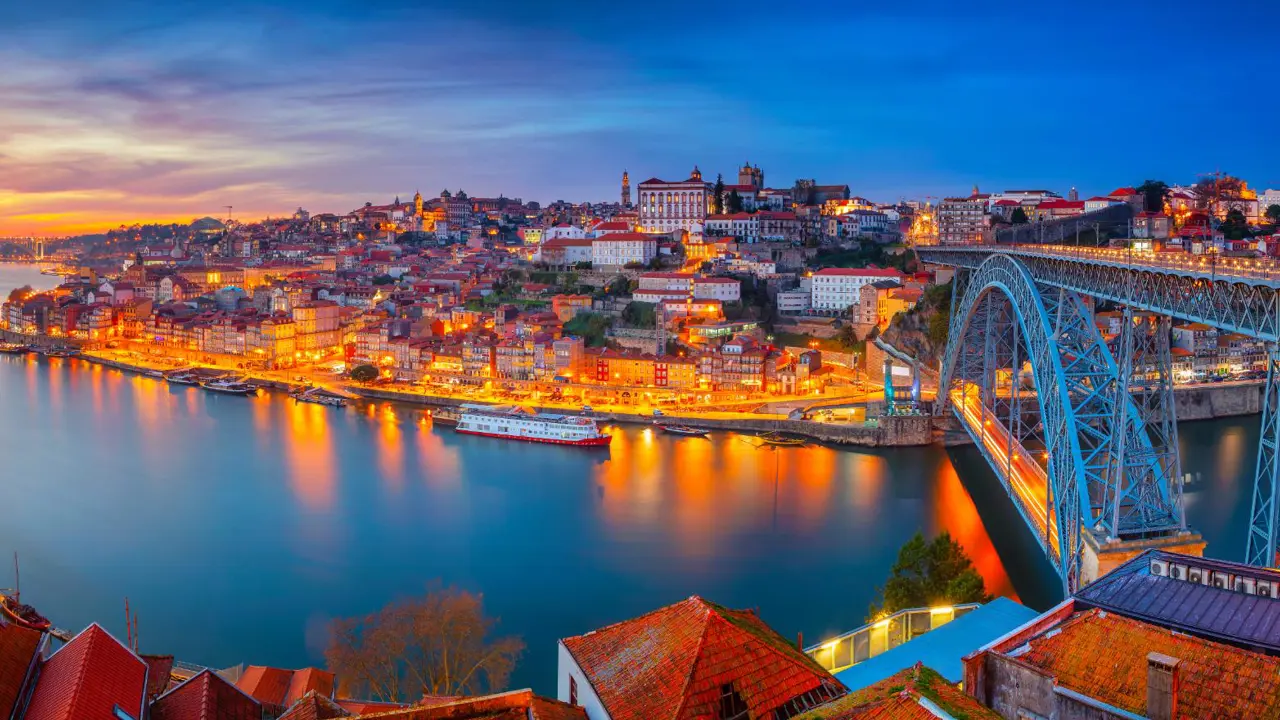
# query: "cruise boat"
184, 377
13, 349
319, 397
517, 423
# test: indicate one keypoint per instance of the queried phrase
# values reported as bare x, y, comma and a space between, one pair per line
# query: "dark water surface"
238, 527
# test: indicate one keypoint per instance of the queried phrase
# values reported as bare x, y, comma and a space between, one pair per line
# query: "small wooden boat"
14, 611
319, 397
229, 387
61, 352
14, 349
781, 441
182, 378
444, 416
683, 430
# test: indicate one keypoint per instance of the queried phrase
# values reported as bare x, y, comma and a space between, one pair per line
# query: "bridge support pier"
1102, 554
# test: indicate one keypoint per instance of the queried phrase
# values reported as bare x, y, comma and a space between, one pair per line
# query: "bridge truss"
1033, 381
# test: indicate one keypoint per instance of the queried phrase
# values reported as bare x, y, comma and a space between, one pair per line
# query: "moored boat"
517, 423
62, 352
684, 430
14, 611
319, 397
14, 348
781, 441
182, 378
230, 387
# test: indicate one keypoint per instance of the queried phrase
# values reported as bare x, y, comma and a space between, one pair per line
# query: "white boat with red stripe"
518, 423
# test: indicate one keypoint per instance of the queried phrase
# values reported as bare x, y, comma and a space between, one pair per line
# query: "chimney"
1162, 686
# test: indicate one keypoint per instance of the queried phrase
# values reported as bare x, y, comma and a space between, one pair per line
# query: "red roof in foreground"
273, 686
159, 669
205, 696
318, 707
18, 647
88, 678
1104, 655
513, 705
898, 697
672, 664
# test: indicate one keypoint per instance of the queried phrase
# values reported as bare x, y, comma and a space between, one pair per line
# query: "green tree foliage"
929, 574
1273, 213
734, 203
383, 280
1153, 194
717, 196
590, 327
640, 314
1235, 227
939, 326
22, 293
1019, 217
364, 373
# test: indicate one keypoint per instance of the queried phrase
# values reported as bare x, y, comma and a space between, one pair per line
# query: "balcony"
873, 639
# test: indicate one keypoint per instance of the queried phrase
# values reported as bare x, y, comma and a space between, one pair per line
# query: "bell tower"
626, 190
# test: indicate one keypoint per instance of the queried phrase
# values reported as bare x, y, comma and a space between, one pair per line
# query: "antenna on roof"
128, 624
17, 580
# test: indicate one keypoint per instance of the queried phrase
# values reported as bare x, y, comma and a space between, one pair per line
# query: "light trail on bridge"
1265, 269
1024, 475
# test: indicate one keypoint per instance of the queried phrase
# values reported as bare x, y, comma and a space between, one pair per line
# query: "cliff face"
922, 331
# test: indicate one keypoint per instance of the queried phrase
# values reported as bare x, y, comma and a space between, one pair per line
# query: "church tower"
417, 204
626, 190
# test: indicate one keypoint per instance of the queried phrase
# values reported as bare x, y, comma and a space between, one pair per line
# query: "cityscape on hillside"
566, 360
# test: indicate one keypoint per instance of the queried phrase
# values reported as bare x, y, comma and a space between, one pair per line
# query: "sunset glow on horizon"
130, 111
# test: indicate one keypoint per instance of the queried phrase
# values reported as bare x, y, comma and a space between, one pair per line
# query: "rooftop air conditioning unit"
1177, 572
1266, 589
1221, 580
1198, 575
1248, 586
1160, 568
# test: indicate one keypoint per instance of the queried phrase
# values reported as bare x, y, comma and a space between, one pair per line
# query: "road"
1026, 477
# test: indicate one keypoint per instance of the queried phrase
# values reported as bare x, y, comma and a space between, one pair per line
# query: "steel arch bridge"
1114, 399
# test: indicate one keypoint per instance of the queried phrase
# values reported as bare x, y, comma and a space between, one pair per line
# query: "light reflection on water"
264, 513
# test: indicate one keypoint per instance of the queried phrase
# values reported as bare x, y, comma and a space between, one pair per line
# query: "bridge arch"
1007, 280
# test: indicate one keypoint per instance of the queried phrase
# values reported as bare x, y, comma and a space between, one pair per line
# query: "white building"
1267, 198
570, 232
837, 289
672, 281
740, 225
669, 206
1026, 198
1100, 202
717, 288
792, 302
619, 249
866, 222
610, 227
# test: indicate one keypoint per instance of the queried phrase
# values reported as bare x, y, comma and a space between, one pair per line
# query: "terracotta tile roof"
158, 669
513, 705
205, 696
316, 707
1104, 655
672, 663
898, 697
274, 686
18, 646
88, 678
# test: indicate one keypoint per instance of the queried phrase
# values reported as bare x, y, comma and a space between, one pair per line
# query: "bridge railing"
1260, 268
872, 639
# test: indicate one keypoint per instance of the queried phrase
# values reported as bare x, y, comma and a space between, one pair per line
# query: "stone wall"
1204, 402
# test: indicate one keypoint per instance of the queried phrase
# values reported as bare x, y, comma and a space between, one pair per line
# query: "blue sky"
122, 109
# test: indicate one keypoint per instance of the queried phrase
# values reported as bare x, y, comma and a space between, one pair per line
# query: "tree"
436, 644
383, 280
590, 327
20, 294
735, 202
1019, 217
364, 373
1235, 227
640, 314
930, 573
1273, 213
717, 196
1153, 194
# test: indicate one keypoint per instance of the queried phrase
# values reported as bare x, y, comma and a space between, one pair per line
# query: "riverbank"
896, 431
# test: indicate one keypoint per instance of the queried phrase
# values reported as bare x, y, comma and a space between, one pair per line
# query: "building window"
732, 706
573, 690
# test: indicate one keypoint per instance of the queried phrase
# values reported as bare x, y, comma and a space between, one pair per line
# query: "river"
238, 527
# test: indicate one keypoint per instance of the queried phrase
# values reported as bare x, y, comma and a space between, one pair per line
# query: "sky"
115, 111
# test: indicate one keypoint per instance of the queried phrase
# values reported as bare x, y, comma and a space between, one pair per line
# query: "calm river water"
238, 527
